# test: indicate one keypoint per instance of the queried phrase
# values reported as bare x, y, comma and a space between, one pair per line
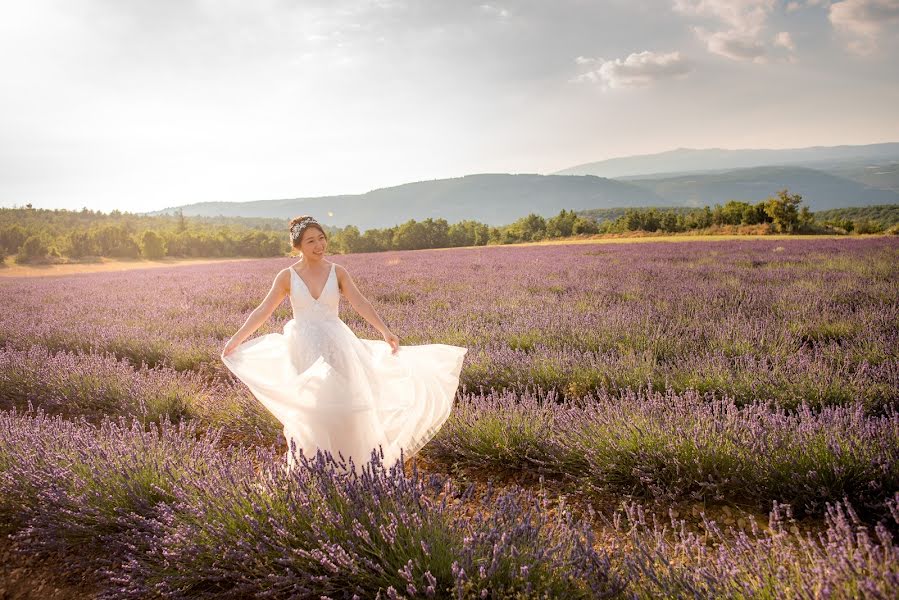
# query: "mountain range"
826, 177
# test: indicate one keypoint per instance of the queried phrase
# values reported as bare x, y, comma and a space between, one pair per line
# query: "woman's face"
313, 243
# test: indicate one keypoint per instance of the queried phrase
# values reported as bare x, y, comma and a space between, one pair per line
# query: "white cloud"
637, 70
743, 36
864, 22
785, 40
732, 44
495, 10
744, 16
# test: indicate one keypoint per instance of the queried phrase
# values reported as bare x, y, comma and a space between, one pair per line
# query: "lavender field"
631, 380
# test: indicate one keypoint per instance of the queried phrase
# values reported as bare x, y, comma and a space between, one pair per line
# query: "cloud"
637, 70
785, 40
743, 36
495, 10
747, 17
732, 44
864, 22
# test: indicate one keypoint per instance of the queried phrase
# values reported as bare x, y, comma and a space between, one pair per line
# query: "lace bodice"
305, 307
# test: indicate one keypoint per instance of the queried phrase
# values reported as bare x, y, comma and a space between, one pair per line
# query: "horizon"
129, 105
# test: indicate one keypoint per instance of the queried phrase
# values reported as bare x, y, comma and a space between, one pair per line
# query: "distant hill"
826, 177
684, 160
495, 199
883, 176
819, 190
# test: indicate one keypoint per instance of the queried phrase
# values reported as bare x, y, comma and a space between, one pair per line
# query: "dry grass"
12, 269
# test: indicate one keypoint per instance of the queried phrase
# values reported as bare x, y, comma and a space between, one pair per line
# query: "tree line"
42, 235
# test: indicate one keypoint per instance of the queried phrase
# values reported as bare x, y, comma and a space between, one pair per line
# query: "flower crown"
297, 228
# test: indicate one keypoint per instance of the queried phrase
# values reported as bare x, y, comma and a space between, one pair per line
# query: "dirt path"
11, 269
23, 577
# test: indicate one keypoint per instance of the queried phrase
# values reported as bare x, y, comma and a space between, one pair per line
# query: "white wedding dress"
334, 391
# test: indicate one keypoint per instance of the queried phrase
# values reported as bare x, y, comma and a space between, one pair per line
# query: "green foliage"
85, 233
784, 211
33, 249
866, 225
12, 237
884, 215
152, 245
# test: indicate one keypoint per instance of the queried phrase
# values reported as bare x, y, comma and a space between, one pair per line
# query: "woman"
330, 389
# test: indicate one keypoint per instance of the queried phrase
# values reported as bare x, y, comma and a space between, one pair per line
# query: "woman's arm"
280, 289
363, 306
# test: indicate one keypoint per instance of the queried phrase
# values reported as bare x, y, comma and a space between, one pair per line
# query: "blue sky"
139, 105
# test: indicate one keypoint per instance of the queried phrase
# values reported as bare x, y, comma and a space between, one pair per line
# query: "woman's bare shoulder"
282, 278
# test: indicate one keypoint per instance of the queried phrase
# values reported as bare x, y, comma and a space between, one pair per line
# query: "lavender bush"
95, 386
169, 513
681, 447
846, 560
804, 320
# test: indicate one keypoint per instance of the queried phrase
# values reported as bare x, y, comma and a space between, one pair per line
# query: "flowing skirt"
334, 391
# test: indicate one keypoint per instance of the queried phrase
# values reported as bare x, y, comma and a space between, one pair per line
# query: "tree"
411, 235
81, 244
436, 233
669, 221
562, 225
784, 211
531, 227
152, 245
351, 239
12, 237
34, 248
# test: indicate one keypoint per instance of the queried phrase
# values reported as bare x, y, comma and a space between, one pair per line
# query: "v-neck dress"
343, 394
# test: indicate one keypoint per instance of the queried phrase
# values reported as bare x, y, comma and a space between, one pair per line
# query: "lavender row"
791, 320
652, 444
845, 560
166, 513
94, 386
681, 447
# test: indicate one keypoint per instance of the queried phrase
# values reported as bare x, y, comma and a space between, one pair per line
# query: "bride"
331, 390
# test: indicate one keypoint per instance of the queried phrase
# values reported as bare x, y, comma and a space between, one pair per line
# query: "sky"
140, 105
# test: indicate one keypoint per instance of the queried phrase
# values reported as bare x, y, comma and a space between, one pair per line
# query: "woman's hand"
391, 339
230, 346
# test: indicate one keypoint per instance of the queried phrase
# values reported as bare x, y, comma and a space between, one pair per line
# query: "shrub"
152, 245
33, 249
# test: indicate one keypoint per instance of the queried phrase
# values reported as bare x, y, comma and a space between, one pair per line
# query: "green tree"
562, 225
80, 244
152, 245
867, 226
351, 239
784, 211
411, 235
436, 233
12, 237
584, 225
669, 221
34, 248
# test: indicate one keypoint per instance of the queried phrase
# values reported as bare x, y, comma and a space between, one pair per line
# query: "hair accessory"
296, 231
